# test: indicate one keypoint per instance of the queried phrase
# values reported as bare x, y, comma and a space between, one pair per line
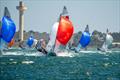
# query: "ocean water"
18, 64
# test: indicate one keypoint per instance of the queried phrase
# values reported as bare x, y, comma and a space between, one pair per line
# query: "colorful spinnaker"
30, 41
65, 30
85, 39
8, 29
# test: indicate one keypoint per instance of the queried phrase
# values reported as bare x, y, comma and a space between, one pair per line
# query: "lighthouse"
21, 9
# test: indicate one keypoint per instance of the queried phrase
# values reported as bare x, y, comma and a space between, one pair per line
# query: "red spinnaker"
65, 30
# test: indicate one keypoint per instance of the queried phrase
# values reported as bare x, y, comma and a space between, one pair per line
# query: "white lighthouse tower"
21, 9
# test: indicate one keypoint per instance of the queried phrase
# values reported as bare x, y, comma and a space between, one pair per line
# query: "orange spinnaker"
65, 30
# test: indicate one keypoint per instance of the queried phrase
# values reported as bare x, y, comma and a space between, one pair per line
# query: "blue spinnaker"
85, 39
8, 29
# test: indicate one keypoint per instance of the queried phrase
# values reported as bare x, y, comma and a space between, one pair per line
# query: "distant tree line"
97, 37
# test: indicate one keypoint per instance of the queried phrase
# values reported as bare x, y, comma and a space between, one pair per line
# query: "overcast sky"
41, 14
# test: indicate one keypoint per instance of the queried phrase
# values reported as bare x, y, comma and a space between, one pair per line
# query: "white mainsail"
53, 34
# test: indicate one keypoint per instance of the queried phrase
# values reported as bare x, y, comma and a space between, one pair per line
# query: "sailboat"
84, 40
7, 30
108, 41
61, 33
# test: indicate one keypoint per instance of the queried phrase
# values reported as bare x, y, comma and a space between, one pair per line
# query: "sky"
42, 14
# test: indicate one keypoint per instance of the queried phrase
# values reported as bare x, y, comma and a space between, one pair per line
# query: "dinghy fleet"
61, 32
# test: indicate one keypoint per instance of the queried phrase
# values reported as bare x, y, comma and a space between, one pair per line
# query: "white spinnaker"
53, 35
108, 42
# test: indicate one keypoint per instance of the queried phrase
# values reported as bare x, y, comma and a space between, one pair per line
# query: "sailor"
40, 46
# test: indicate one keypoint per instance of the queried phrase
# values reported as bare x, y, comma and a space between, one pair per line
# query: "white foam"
65, 53
27, 62
12, 53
